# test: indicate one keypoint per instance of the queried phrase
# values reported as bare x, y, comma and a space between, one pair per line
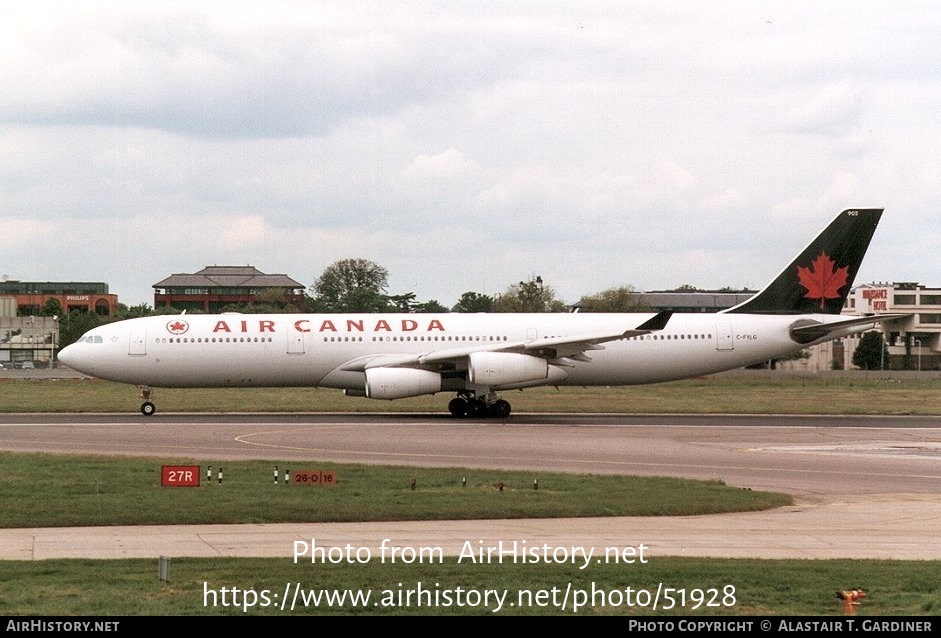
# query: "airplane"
477, 355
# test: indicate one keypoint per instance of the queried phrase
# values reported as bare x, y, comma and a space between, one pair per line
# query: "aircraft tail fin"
820, 277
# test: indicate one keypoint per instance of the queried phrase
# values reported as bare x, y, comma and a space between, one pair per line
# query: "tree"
622, 299
52, 308
274, 300
473, 302
528, 296
871, 353
352, 285
402, 303
130, 312
429, 306
407, 303
75, 324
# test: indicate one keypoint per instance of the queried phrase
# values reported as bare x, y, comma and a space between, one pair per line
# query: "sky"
465, 146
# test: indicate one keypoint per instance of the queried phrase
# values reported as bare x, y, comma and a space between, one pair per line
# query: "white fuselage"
312, 349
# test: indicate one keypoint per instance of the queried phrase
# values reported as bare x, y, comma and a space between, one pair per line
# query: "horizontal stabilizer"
806, 331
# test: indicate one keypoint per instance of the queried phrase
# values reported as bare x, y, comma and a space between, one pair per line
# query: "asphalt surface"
864, 487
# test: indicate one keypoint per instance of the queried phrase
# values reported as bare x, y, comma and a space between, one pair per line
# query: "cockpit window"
92, 339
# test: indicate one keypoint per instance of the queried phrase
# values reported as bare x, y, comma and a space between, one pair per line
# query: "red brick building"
215, 287
31, 296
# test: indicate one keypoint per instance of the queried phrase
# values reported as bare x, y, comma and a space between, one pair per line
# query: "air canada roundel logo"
177, 327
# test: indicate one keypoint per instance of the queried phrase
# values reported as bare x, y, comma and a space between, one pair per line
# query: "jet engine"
502, 368
398, 383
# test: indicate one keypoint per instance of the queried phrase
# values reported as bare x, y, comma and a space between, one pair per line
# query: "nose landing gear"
147, 408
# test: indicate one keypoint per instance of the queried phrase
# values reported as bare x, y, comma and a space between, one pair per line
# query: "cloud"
834, 110
16, 231
447, 165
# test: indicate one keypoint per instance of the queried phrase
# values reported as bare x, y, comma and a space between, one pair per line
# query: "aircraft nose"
77, 357
67, 355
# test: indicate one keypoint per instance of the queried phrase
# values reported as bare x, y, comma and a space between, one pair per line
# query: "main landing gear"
466, 404
147, 408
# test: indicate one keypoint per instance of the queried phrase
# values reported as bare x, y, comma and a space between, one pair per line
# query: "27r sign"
179, 476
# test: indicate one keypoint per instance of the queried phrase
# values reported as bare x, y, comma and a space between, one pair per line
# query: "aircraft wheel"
500, 409
476, 408
147, 408
457, 406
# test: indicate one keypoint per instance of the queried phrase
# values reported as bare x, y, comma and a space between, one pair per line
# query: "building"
215, 287
913, 343
27, 340
32, 296
27, 336
694, 301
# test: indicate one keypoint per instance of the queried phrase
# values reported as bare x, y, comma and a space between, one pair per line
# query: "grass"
53, 491
712, 587
751, 392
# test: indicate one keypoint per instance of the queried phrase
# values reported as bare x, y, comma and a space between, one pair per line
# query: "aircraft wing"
573, 347
805, 331
567, 347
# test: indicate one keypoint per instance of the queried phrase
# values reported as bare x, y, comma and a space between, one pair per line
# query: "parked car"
27, 365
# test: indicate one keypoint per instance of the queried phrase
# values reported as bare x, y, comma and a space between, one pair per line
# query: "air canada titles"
330, 325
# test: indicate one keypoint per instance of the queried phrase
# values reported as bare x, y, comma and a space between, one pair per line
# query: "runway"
864, 487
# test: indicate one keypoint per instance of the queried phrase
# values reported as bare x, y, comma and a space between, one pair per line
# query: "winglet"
657, 322
821, 276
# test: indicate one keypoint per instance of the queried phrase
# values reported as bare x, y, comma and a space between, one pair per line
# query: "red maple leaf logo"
177, 327
823, 279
